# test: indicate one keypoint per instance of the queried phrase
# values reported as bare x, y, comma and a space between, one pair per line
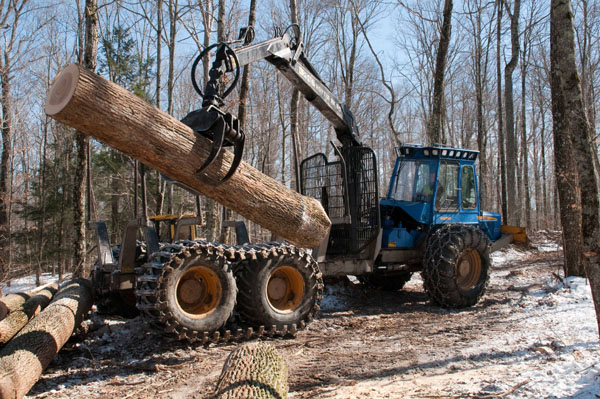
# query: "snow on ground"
550, 350
27, 283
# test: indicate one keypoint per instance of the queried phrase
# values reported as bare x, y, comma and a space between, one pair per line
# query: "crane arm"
287, 55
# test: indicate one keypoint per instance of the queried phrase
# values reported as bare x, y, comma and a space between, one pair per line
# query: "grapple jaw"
224, 131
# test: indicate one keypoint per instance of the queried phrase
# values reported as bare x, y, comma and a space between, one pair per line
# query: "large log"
25, 356
13, 302
120, 119
18, 319
253, 371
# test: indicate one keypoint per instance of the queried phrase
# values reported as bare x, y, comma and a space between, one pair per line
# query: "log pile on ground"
99, 108
253, 371
13, 302
28, 353
18, 318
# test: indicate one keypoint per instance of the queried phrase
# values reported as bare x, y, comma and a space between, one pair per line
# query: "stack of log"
34, 326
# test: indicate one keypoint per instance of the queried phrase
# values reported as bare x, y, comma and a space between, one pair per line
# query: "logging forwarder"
430, 221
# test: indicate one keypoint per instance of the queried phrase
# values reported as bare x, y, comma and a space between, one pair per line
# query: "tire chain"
445, 238
151, 301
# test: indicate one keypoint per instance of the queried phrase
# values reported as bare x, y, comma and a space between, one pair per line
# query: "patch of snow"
334, 297
506, 254
27, 283
558, 342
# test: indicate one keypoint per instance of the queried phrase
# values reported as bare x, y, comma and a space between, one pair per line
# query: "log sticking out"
111, 114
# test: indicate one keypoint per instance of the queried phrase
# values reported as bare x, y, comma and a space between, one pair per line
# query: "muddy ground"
366, 343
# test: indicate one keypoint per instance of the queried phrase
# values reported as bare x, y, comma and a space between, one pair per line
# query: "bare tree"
243, 97
435, 131
294, 102
511, 143
501, 140
12, 47
570, 123
83, 142
481, 49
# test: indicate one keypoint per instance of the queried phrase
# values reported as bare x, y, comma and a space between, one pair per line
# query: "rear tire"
456, 266
280, 287
200, 294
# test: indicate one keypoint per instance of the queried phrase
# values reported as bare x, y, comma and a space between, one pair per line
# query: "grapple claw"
218, 139
224, 131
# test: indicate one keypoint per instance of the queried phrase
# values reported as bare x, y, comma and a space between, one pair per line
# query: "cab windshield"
415, 181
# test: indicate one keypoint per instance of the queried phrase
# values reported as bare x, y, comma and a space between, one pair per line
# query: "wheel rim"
468, 269
198, 292
285, 289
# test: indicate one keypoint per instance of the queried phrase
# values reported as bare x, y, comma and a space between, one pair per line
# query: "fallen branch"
478, 396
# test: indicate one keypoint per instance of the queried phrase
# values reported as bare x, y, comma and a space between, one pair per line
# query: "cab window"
415, 181
467, 185
446, 195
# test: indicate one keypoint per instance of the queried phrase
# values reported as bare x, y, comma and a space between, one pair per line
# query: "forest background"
379, 57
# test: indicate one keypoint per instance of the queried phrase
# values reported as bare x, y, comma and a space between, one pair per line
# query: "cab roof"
438, 151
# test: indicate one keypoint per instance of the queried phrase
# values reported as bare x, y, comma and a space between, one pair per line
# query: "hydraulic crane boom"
290, 60
287, 55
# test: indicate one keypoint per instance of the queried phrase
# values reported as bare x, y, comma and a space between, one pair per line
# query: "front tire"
456, 266
280, 287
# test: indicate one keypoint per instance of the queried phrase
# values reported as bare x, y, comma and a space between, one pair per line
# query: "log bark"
120, 119
253, 371
24, 358
18, 319
13, 302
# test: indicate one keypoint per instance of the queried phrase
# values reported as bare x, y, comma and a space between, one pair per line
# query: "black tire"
456, 266
192, 291
386, 281
281, 287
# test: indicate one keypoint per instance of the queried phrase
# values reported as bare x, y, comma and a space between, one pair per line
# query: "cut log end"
62, 90
253, 371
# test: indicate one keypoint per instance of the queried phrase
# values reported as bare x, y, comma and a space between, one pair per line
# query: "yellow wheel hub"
198, 291
468, 269
285, 289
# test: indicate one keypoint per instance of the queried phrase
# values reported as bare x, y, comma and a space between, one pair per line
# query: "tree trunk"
18, 319
435, 129
120, 119
570, 122
5, 170
83, 143
511, 142
244, 87
294, 103
253, 371
24, 358
159, 23
501, 141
